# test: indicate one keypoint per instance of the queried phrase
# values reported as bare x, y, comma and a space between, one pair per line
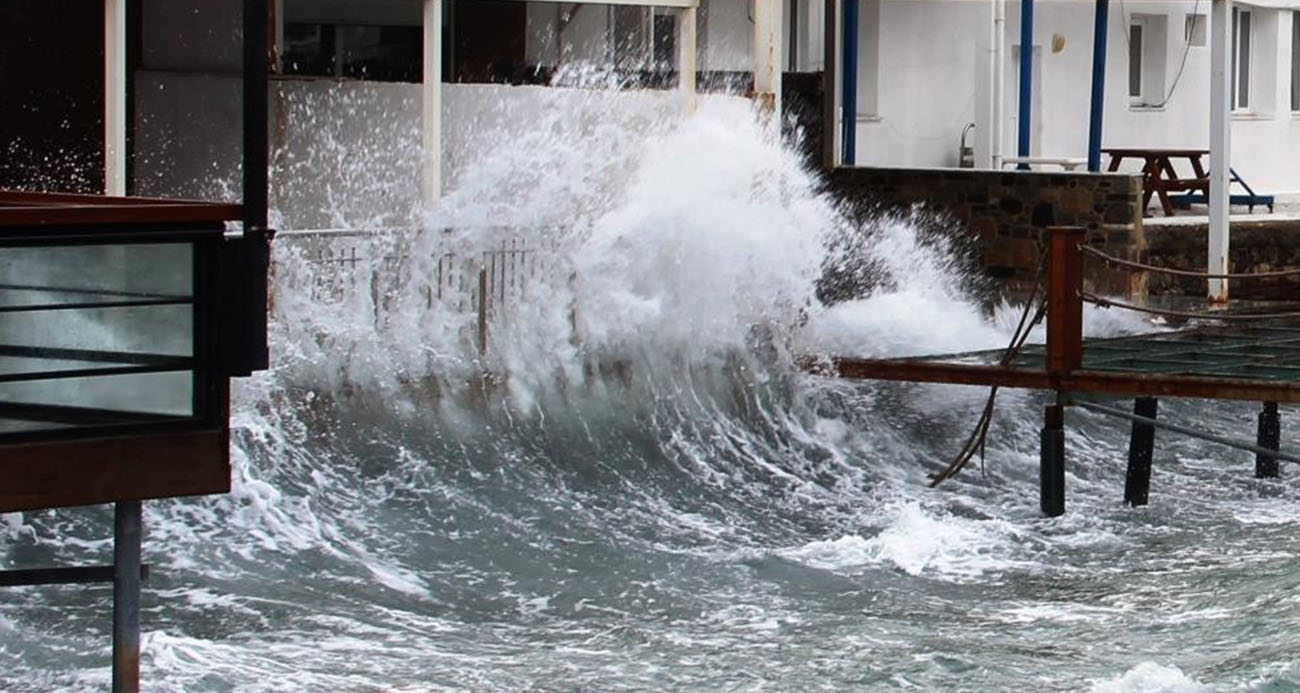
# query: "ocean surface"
646, 493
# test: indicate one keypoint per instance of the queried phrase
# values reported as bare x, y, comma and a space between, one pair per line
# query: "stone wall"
1254, 246
1006, 213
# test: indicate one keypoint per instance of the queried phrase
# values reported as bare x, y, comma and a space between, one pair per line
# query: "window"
1295, 60
1194, 30
1135, 62
1147, 37
1241, 33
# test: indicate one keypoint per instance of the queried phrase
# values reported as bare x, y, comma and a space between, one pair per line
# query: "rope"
975, 442
1112, 260
1110, 303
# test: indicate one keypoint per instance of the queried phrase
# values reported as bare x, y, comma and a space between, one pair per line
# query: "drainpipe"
1026, 77
1100, 29
849, 100
999, 79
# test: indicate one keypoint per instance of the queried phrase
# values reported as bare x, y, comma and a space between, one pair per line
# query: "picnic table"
1159, 176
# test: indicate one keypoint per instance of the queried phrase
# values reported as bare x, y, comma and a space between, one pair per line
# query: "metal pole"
1193, 432
999, 80
1141, 448
1026, 77
115, 97
1268, 436
1220, 146
830, 83
431, 103
767, 57
794, 36
849, 99
249, 257
1100, 25
687, 57
126, 596
1051, 470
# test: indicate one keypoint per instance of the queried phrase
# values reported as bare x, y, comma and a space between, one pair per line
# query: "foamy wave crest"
919, 544
1149, 677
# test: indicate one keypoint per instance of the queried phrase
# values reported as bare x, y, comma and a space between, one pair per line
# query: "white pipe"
999, 80
115, 97
1220, 146
686, 58
431, 104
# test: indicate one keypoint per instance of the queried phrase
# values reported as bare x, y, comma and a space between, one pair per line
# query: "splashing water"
645, 493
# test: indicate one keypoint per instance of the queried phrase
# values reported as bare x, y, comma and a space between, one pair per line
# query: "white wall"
930, 51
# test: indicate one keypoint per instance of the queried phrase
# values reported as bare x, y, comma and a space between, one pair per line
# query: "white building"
926, 73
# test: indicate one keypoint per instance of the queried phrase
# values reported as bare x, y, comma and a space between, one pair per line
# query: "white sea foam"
1150, 677
920, 544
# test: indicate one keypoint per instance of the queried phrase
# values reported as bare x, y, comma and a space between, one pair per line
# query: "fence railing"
491, 283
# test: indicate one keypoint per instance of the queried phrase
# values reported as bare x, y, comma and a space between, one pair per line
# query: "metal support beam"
1141, 448
115, 97
767, 57
80, 575
1268, 437
1220, 146
1100, 24
1051, 469
126, 596
1026, 79
849, 98
431, 104
687, 58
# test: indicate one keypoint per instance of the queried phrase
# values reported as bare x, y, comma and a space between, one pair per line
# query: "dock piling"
1051, 472
1141, 446
126, 596
1268, 437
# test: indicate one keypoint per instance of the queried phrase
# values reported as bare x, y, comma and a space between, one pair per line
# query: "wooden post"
1268, 436
1051, 471
1064, 299
1141, 446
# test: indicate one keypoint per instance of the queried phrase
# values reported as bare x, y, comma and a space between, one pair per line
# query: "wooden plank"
101, 470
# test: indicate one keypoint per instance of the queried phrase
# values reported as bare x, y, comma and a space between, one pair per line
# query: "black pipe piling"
1051, 471
126, 596
1141, 447
1269, 437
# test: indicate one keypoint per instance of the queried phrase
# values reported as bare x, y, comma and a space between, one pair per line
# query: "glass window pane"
95, 334
1135, 61
1243, 63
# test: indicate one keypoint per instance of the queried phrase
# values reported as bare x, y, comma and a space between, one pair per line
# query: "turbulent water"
647, 494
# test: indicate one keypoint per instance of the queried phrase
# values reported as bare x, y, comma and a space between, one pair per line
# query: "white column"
767, 55
686, 57
115, 97
1220, 145
431, 103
